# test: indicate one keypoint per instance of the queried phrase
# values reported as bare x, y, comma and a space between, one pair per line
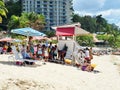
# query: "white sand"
60, 77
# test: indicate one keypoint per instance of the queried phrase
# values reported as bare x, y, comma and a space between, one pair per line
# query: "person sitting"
91, 53
28, 55
51, 54
87, 55
46, 54
55, 52
87, 67
40, 52
4, 49
31, 48
9, 49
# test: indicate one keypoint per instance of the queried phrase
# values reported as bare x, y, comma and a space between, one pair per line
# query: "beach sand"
60, 77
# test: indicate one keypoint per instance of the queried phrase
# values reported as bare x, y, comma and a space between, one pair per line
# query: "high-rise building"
9, 0
56, 12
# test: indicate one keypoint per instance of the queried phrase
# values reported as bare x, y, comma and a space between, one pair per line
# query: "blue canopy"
27, 32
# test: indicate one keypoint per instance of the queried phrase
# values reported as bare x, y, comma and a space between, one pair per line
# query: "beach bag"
68, 61
19, 63
93, 65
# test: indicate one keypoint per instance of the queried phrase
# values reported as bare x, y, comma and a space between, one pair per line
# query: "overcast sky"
110, 9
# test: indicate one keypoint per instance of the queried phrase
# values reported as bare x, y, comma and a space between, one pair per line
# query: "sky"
110, 9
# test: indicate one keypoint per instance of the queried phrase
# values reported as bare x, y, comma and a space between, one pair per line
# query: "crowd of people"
39, 52
48, 52
5, 48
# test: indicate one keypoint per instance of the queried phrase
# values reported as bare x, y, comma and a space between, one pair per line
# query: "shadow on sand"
7, 62
96, 71
14, 63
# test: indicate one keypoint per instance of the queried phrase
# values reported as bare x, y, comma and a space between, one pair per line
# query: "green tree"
101, 23
14, 8
14, 22
50, 33
3, 10
85, 40
33, 20
104, 37
87, 22
92, 24
76, 18
112, 37
114, 40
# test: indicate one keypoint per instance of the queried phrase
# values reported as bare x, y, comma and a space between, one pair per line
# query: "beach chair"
17, 57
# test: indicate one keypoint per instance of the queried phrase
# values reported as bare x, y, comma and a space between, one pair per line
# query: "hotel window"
38, 2
38, 6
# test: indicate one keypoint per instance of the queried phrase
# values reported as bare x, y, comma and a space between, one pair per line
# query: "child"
46, 54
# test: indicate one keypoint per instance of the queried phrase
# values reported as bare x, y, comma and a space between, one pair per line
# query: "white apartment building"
56, 12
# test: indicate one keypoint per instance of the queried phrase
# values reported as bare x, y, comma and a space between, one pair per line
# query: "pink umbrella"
7, 39
40, 38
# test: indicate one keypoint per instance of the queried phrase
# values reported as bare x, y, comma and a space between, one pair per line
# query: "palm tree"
14, 22
101, 23
33, 20
3, 10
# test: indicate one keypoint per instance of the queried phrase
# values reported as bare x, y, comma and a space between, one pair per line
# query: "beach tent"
66, 35
70, 31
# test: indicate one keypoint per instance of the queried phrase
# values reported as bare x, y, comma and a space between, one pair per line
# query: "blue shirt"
25, 55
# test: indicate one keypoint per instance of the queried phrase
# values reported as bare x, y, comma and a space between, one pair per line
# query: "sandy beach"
60, 77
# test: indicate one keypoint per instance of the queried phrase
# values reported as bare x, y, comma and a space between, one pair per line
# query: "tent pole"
74, 37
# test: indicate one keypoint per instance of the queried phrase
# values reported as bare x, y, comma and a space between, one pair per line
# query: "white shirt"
87, 53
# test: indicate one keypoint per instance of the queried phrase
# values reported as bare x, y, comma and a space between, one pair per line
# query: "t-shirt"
31, 49
40, 51
87, 53
25, 55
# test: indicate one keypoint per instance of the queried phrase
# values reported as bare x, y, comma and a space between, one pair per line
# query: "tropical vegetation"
3, 10
33, 20
108, 32
85, 40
